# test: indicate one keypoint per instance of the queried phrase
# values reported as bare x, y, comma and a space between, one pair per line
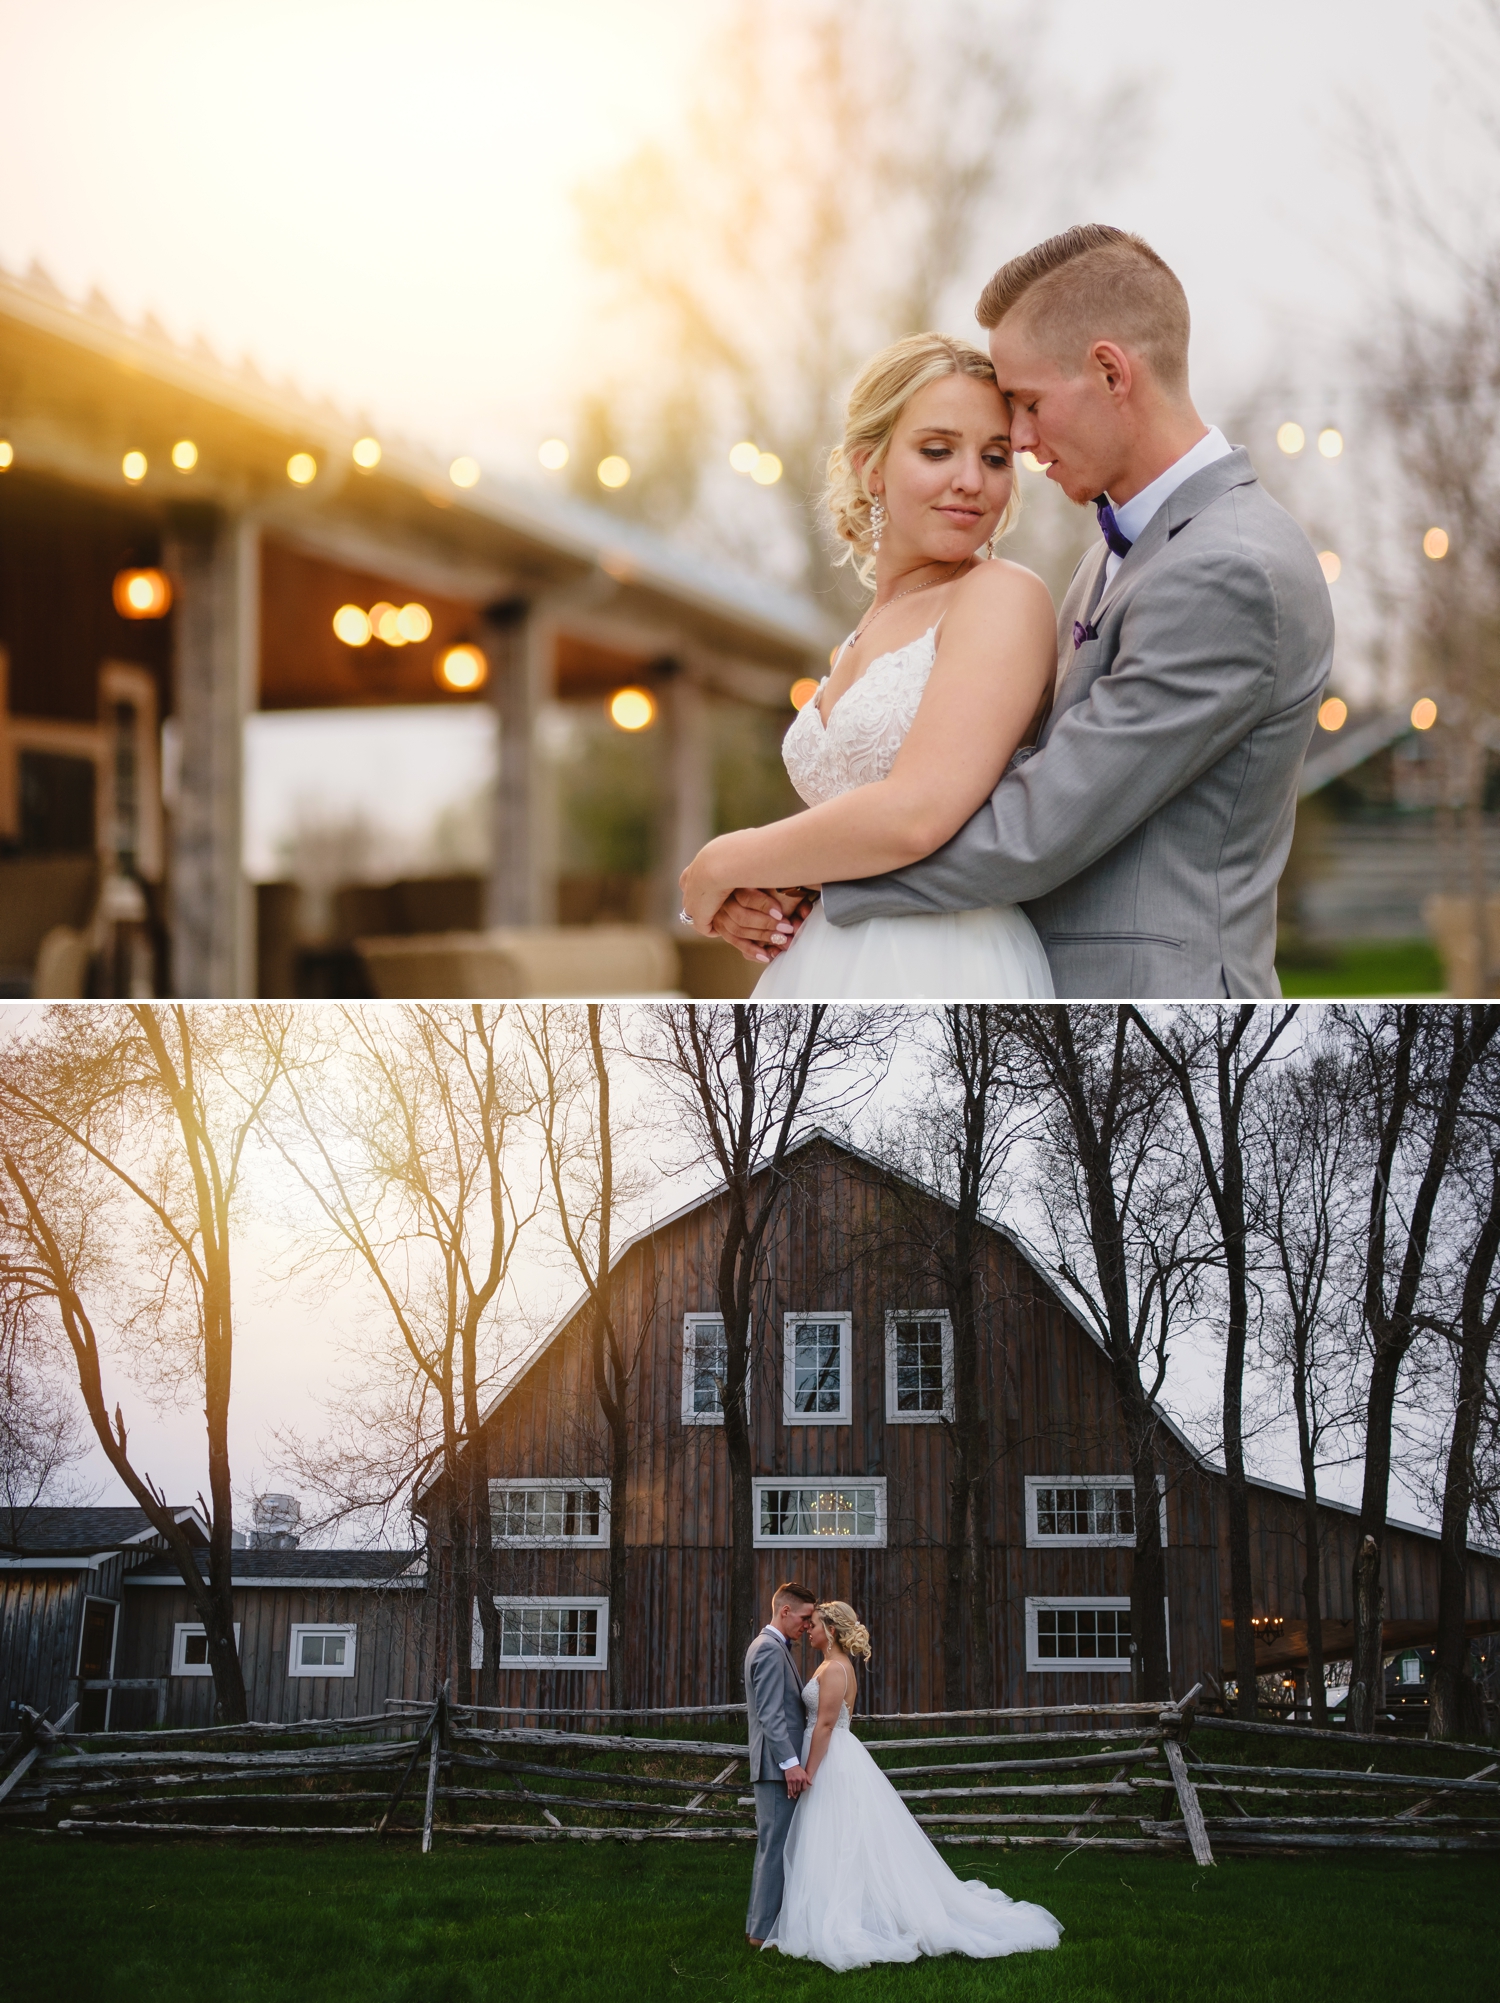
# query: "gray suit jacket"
774, 1700
1147, 830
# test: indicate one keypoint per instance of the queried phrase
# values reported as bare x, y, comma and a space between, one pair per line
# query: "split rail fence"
1118, 1776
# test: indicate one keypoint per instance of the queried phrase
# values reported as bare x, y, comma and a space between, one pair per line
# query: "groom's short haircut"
792, 1591
1094, 283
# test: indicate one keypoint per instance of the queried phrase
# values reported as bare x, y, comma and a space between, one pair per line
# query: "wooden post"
516, 688
215, 563
416, 1754
1187, 1798
439, 1735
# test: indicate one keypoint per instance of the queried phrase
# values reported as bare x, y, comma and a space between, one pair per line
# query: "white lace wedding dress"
990, 955
864, 1883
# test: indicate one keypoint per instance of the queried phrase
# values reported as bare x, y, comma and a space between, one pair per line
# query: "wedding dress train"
864, 1882
990, 955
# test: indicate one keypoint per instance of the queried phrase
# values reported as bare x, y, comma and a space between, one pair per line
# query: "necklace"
932, 582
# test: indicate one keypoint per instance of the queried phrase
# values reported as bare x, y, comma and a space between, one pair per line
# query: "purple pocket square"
1082, 633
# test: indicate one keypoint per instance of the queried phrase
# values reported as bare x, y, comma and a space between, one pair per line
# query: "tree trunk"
1367, 1673
619, 1481
955, 1585
1312, 1589
1148, 1578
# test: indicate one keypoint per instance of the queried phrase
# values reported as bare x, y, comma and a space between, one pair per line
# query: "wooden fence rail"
1134, 1784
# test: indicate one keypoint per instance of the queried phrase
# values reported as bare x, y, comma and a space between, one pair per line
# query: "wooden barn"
92, 1595
851, 1385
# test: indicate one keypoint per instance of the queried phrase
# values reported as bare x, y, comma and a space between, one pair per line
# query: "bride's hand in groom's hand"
762, 923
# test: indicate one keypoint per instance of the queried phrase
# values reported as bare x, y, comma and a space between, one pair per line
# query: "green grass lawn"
307, 1921
1407, 967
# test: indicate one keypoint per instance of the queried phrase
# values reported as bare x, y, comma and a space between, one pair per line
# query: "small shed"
61, 1604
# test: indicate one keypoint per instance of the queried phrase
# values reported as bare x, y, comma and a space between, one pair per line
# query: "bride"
863, 1881
947, 674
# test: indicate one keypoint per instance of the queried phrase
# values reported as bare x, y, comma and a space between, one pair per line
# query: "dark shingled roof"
44, 1533
313, 1568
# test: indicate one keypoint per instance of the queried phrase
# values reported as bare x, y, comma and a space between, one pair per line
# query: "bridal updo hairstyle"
846, 1627
1095, 283
885, 386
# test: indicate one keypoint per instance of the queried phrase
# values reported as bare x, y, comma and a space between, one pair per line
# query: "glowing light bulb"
385, 623
1423, 713
767, 470
1330, 442
464, 472
742, 457
302, 469
1330, 565
133, 466
462, 668
1291, 438
1333, 714
142, 594
352, 626
553, 454
184, 455
631, 709
365, 453
613, 471
7, 455
414, 622
1435, 544
803, 690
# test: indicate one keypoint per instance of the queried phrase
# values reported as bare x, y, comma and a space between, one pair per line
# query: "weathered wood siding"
842, 1242
41, 1614
388, 1656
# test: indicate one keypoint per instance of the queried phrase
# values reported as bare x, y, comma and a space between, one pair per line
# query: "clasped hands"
797, 1780
759, 924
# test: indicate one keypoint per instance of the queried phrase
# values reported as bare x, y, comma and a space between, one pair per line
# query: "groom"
1147, 829
773, 1692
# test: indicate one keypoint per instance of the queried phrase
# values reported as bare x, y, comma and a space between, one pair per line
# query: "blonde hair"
846, 1627
883, 389
1096, 283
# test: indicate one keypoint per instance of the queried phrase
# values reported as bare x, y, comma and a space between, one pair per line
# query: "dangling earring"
989, 548
877, 522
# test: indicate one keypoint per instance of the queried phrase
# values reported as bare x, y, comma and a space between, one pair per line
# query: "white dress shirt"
769, 1628
1132, 516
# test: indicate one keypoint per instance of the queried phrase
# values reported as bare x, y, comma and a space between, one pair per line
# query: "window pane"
1105, 1509
710, 1364
195, 1647
312, 1650
333, 1650
816, 1385
818, 1512
1083, 1634
550, 1632
552, 1513
919, 1366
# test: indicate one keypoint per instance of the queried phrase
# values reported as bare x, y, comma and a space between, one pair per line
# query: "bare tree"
125, 1131
1417, 1069
949, 1148
1302, 1148
838, 164
1213, 1057
399, 1125
571, 1088
41, 1437
745, 1083
1121, 1200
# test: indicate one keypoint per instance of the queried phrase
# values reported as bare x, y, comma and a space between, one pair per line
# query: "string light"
767, 470
1435, 544
742, 457
184, 455
1424, 713
7, 455
1333, 714
1330, 442
802, 692
631, 709
142, 594
554, 454
1291, 438
1330, 565
133, 466
613, 471
365, 453
462, 669
302, 469
352, 625
464, 472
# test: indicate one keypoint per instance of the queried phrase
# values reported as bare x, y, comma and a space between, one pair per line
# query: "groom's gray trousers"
1146, 833
773, 1818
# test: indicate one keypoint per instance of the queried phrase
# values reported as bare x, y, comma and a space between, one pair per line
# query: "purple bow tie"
1119, 543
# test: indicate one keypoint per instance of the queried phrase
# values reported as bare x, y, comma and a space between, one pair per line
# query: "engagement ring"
686, 917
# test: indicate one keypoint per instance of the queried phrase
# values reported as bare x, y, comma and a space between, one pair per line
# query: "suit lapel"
1081, 594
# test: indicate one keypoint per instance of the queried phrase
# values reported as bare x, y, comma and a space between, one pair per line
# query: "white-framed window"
1086, 1509
545, 1632
838, 1509
190, 1648
540, 1510
918, 1366
705, 1363
816, 1370
321, 1648
1080, 1635
1411, 1669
